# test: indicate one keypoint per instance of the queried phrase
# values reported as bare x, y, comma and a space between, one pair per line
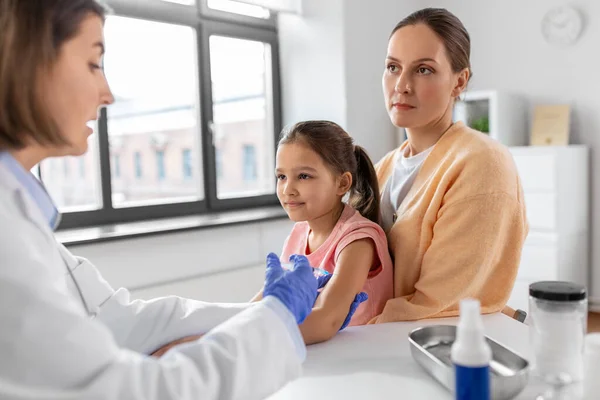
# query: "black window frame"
206, 22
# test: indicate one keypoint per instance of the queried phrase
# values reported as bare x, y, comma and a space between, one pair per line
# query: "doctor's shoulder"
18, 232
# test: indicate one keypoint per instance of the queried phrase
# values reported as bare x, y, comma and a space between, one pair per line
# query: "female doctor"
65, 333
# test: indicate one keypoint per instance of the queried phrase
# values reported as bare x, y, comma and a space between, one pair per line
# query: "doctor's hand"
296, 289
359, 298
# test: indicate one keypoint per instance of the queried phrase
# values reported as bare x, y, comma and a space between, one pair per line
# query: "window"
194, 82
186, 157
66, 162
219, 163
242, 112
79, 193
239, 8
116, 171
160, 165
81, 167
184, 2
138, 165
147, 116
249, 163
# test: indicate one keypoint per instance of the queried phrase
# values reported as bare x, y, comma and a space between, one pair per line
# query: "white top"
396, 188
375, 362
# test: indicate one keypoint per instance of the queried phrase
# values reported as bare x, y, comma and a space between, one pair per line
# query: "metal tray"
430, 347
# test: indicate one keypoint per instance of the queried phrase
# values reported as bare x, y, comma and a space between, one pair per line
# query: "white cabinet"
556, 185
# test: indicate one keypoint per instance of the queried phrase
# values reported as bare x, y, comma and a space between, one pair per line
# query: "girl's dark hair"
449, 29
337, 149
31, 36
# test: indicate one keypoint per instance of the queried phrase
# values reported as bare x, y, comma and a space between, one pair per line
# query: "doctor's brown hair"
337, 149
31, 35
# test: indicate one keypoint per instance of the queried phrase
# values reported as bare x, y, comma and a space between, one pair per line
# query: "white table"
374, 362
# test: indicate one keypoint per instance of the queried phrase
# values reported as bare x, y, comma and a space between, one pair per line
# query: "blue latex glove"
296, 289
359, 298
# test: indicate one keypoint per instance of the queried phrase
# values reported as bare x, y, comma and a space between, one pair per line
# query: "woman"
452, 203
66, 334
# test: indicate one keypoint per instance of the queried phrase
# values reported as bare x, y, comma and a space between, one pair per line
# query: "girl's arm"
331, 308
257, 297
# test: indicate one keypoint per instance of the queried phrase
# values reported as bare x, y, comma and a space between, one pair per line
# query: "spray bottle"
471, 355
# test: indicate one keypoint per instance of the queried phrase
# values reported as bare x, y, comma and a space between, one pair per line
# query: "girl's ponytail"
364, 196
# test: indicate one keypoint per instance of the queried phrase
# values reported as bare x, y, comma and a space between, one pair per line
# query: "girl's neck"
422, 138
321, 227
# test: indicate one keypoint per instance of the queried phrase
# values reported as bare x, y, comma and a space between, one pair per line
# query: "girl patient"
317, 165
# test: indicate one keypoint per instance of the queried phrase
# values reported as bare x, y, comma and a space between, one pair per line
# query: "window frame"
238, 32
206, 22
218, 15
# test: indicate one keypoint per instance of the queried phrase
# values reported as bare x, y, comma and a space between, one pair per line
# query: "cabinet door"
541, 211
538, 263
537, 171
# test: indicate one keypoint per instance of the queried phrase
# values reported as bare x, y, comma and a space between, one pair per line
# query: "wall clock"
562, 26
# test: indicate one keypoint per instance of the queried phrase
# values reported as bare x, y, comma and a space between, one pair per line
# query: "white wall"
367, 26
312, 63
221, 264
332, 58
509, 53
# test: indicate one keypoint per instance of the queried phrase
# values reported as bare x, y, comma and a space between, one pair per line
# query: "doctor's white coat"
50, 348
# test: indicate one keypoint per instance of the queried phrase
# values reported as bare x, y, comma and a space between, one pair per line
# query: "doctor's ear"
344, 183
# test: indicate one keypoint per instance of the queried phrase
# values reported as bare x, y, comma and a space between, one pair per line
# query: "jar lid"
557, 291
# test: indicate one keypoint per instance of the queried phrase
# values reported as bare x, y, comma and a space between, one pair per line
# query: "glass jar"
558, 312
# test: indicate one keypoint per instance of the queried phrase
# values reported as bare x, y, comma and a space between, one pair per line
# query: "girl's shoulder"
355, 222
358, 227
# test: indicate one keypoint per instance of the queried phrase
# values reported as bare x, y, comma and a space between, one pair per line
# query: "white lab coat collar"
28, 207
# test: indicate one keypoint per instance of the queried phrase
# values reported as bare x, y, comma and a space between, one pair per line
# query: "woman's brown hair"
337, 149
449, 29
31, 35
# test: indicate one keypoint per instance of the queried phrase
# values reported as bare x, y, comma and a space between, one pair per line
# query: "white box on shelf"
503, 114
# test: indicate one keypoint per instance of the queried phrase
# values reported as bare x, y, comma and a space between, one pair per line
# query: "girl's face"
76, 86
419, 85
306, 187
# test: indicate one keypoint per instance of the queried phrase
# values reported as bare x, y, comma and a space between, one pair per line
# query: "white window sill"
70, 237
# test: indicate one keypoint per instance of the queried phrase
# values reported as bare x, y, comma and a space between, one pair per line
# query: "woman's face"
76, 87
419, 85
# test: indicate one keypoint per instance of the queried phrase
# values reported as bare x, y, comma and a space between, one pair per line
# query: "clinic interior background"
331, 61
